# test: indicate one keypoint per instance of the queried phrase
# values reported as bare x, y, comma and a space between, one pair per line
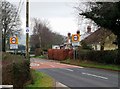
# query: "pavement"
76, 77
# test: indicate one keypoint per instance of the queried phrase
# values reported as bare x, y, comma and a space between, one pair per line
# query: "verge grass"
86, 63
42, 57
41, 81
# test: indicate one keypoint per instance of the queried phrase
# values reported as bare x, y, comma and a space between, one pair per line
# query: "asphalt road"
77, 77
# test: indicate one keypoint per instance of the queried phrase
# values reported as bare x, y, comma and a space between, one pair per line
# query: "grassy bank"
92, 64
41, 81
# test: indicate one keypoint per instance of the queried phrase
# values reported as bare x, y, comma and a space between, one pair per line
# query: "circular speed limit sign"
75, 38
13, 40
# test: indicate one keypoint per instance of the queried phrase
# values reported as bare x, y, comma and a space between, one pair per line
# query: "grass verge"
92, 64
41, 81
42, 57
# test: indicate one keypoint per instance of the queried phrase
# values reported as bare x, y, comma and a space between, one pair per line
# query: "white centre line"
95, 75
66, 69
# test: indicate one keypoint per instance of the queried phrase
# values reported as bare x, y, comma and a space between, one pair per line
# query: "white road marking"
95, 75
70, 65
6, 86
52, 66
77, 66
57, 63
34, 64
66, 69
58, 84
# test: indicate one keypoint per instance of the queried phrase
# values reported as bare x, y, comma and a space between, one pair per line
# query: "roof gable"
97, 36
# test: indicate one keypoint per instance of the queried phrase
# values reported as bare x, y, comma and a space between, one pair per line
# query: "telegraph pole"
27, 29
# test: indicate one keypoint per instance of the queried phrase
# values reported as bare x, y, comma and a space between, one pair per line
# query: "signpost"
75, 40
75, 37
75, 43
27, 29
13, 42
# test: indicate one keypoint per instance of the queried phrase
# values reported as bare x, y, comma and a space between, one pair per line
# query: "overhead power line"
19, 9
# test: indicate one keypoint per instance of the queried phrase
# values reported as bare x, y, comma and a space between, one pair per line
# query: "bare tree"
0, 28
10, 21
42, 36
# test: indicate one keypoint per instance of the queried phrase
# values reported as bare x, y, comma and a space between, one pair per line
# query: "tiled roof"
97, 36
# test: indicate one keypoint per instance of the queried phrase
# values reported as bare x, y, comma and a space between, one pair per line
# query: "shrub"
21, 73
60, 54
15, 70
38, 52
50, 53
108, 57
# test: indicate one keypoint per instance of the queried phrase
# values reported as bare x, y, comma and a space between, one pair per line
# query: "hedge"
107, 57
60, 54
15, 70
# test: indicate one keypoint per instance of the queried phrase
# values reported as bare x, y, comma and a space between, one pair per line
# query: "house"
101, 39
89, 31
55, 47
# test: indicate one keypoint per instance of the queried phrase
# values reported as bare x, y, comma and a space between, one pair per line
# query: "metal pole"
27, 28
74, 52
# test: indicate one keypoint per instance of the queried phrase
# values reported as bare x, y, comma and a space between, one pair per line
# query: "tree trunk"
4, 43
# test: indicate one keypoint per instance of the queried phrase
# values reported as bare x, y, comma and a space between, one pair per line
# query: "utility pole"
27, 29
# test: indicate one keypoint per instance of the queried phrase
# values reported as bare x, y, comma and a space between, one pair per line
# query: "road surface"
77, 77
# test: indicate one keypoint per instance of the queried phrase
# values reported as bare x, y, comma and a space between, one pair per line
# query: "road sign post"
75, 43
13, 42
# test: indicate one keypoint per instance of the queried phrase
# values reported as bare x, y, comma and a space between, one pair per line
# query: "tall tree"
42, 36
10, 21
107, 15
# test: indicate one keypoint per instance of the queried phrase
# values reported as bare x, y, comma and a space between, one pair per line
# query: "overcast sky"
61, 15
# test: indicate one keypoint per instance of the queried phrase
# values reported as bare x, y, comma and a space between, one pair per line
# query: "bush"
60, 54
108, 57
15, 70
85, 46
50, 53
38, 52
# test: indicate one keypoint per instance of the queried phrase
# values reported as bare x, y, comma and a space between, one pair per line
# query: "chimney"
89, 29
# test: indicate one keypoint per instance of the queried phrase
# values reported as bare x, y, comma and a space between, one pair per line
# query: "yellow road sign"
75, 37
13, 40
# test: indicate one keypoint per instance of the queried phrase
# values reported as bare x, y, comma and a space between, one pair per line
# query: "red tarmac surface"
50, 64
